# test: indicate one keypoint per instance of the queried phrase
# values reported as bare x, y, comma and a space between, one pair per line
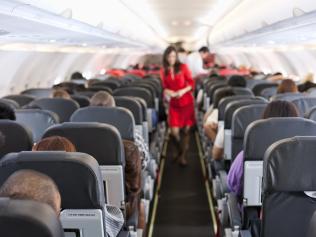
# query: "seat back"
212, 89
13, 104
259, 136
17, 137
269, 92
83, 101
288, 176
64, 108
79, 180
236, 90
136, 92
304, 104
132, 105
312, 226
108, 83
120, 118
311, 114
242, 117
288, 96
258, 88
20, 99
17, 219
38, 92
36, 120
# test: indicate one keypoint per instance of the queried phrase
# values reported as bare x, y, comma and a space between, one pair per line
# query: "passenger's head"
6, 112
132, 172
237, 80
280, 108
204, 52
287, 86
102, 98
54, 143
61, 93
76, 76
32, 185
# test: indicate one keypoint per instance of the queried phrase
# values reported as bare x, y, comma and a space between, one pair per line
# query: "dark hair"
277, 74
132, 175
287, 86
181, 50
280, 108
222, 94
204, 49
237, 80
76, 75
6, 112
54, 143
165, 62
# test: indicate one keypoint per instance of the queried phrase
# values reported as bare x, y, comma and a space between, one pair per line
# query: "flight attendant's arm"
168, 92
189, 81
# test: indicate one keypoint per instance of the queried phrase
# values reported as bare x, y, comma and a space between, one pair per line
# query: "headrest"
215, 87
20, 99
234, 105
102, 141
244, 116
83, 101
288, 96
261, 134
258, 88
137, 92
223, 103
242, 91
36, 120
77, 175
143, 104
38, 92
64, 108
269, 92
304, 104
108, 83
17, 137
17, 219
132, 105
289, 165
120, 118
11, 103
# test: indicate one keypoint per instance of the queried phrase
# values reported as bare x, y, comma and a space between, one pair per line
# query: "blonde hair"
102, 98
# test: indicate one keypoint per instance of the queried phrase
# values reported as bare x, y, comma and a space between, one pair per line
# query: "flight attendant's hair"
165, 62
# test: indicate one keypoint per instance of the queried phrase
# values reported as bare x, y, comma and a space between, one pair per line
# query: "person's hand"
180, 93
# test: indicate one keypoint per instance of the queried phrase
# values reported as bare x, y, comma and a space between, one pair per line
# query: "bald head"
32, 185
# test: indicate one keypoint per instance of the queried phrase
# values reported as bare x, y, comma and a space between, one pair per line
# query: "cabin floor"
183, 208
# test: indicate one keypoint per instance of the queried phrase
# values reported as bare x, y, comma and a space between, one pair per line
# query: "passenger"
77, 76
287, 86
61, 93
6, 112
32, 185
237, 81
102, 98
195, 62
178, 86
273, 109
278, 76
133, 170
307, 83
54, 143
114, 217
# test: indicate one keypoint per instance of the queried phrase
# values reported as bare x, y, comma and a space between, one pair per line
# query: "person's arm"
189, 81
218, 148
168, 92
235, 174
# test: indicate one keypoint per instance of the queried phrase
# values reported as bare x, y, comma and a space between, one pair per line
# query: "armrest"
245, 233
223, 180
233, 210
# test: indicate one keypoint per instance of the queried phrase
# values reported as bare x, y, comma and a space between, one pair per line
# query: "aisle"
183, 208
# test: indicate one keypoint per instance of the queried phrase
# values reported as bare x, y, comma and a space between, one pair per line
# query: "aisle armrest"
233, 210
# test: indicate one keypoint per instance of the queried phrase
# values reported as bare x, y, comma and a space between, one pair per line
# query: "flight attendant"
178, 88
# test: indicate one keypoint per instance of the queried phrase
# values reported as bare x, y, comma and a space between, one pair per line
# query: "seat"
288, 96
10, 103
82, 100
242, 117
136, 92
17, 219
304, 104
120, 118
258, 88
79, 181
64, 108
17, 137
311, 114
108, 83
259, 136
269, 92
104, 143
288, 175
252, 83
22, 100
36, 120
237, 91
312, 226
38, 92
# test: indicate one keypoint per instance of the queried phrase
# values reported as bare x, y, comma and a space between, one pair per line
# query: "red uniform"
181, 111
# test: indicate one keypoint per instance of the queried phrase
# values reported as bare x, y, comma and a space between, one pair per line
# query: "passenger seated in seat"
237, 81
102, 98
6, 112
273, 109
133, 182
61, 93
287, 86
32, 185
114, 217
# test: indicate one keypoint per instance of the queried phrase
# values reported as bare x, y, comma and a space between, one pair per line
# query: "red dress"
181, 111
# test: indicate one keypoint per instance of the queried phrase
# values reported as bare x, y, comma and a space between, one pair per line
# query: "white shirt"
219, 140
195, 63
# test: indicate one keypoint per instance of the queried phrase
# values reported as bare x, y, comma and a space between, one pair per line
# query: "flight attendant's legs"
185, 140
176, 142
